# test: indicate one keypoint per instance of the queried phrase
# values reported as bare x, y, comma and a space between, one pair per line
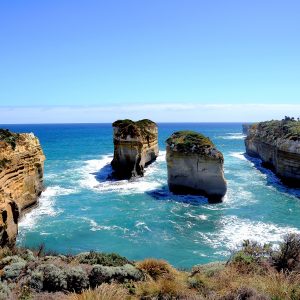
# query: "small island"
277, 144
135, 147
195, 166
21, 179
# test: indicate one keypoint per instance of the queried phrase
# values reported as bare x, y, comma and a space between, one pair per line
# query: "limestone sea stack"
195, 166
21, 179
135, 146
277, 144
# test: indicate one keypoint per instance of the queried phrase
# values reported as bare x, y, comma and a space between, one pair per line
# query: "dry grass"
156, 268
276, 285
104, 292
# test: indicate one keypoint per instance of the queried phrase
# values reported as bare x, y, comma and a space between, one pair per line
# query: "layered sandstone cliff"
135, 146
277, 144
21, 179
195, 166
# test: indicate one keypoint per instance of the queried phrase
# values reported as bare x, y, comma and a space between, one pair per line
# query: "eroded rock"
135, 146
195, 166
277, 144
21, 179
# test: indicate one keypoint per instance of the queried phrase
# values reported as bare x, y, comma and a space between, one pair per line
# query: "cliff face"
195, 166
246, 128
277, 143
21, 179
135, 146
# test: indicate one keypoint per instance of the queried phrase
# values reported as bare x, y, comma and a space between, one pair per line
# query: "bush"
155, 268
77, 279
95, 258
4, 291
288, 255
36, 280
100, 274
28, 255
11, 259
13, 270
54, 279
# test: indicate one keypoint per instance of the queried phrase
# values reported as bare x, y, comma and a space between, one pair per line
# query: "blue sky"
106, 55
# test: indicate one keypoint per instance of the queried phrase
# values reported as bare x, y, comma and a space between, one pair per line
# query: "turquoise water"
80, 210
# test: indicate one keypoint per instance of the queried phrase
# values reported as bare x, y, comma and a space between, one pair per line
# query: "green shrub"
13, 270
11, 259
96, 258
4, 291
243, 258
288, 255
100, 274
28, 255
36, 280
55, 279
77, 279
9, 137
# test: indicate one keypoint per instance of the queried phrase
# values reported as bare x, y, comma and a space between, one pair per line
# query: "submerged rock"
277, 144
21, 179
135, 146
195, 166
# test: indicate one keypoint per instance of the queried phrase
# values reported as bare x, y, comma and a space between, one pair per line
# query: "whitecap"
233, 136
142, 226
95, 175
233, 231
45, 207
96, 227
239, 155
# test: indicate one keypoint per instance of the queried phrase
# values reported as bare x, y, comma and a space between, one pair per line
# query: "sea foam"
95, 175
45, 207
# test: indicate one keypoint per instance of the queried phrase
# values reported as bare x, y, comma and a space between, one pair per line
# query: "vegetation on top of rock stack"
9, 137
186, 141
287, 128
134, 129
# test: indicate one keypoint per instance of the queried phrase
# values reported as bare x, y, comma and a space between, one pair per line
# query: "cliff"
195, 166
135, 146
277, 144
21, 179
246, 128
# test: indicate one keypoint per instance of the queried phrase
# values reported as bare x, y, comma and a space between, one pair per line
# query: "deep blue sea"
81, 210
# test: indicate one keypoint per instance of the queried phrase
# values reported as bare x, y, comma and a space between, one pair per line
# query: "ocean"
80, 210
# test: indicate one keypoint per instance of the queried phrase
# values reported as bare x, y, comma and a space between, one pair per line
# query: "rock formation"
246, 128
135, 146
21, 179
195, 166
277, 144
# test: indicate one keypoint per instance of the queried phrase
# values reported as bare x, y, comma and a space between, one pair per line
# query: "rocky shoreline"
21, 179
277, 144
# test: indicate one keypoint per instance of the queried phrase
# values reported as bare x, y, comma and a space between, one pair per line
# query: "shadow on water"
163, 194
104, 174
272, 179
